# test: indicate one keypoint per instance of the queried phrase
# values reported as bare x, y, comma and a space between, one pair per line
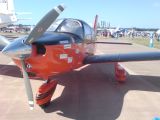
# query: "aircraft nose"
17, 49
10, 50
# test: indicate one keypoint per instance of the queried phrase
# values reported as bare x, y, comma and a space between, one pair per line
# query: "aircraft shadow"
91, 93
13, 71
118, 43
10, 70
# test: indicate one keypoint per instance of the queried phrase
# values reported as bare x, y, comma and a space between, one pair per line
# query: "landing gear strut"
45, 92
120, 73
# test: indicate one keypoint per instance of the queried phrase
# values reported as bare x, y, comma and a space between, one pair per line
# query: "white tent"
158, 32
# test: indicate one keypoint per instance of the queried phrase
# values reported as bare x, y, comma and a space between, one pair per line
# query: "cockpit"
67, 26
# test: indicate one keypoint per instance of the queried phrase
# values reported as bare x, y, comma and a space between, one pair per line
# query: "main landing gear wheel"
45, 105
45, 93
120, 73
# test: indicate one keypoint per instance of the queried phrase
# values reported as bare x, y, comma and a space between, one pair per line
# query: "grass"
137, 40
144, 41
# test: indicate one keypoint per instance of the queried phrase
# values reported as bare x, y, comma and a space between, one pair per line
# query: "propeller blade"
3, 42
44, 24
27, 85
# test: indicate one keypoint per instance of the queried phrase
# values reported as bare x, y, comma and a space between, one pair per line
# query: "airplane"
70, 45
8, 14
116, 32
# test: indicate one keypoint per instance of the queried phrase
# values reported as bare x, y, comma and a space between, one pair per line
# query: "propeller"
44, 24
27, 85
21, 48
3, 42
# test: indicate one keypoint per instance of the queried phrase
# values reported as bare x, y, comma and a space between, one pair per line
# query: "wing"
124, 57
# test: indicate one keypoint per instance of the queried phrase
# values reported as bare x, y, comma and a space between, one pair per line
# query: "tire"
43, 106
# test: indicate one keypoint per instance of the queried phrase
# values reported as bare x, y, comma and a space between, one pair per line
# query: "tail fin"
3, 8
7, 7
95, 23
117, 29
11, 6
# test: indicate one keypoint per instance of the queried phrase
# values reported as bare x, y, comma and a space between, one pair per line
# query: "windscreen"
71, 26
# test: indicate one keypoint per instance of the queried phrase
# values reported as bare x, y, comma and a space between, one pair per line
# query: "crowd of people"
131, 34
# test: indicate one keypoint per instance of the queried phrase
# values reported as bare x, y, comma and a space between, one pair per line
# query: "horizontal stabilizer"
124, 57
23, 13
24, 19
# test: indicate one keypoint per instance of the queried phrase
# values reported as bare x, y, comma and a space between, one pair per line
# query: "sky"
121, 13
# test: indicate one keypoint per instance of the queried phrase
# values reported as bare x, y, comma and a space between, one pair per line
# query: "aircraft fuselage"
53, 54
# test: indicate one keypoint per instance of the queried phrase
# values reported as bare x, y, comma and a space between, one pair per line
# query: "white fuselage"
7, 13
7, 19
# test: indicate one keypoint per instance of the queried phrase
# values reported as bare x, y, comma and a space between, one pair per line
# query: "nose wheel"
45, 92
120, 73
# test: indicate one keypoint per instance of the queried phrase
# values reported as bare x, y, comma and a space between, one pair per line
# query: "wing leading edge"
124, 57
